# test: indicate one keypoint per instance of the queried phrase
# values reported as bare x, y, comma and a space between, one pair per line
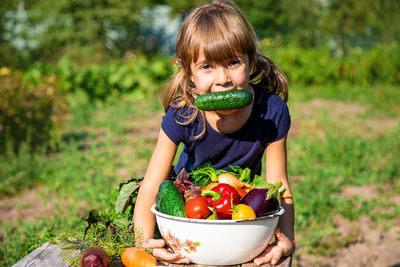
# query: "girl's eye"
205, 66
234, 62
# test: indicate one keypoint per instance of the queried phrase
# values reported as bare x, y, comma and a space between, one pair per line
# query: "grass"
336, 162
378, 97
19, 169
105, 143
335, 151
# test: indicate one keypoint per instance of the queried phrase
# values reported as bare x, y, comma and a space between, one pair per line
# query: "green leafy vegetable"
205, 174
243, 175
259, 181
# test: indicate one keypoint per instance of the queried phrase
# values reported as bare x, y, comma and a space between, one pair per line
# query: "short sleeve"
280, 116
171, 128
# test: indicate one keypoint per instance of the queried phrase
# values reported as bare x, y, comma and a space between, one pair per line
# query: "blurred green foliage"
33, 104
93, 31
104, 79
31, 112
84, 29
341, 24
319, 66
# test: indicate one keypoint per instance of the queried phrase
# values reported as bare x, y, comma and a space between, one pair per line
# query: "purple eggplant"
264, 201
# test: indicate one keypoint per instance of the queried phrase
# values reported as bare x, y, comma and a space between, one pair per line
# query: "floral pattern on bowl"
174, 242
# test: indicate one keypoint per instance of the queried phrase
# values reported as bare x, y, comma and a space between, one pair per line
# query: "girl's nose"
222, 75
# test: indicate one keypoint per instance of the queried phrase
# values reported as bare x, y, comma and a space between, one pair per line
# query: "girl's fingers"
276, 256
263, 259
267, 250
166, 255
161, 253
183, 260
154, 243
271, 255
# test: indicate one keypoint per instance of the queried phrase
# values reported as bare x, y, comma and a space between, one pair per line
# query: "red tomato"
197, 208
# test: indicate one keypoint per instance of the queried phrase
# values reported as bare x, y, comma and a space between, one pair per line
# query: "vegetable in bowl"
264, 201
223, 190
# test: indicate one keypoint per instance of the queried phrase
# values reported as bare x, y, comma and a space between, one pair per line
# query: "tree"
352, 23
87, 28
99, 26
7, 52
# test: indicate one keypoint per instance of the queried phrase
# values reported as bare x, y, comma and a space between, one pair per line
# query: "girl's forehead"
222, 56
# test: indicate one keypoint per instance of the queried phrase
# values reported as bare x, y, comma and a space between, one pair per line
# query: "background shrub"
31, 112
120, 77
322, 66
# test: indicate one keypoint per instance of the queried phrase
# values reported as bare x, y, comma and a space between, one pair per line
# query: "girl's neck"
229, 121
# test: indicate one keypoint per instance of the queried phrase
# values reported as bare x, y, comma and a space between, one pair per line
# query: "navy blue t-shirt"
268, 122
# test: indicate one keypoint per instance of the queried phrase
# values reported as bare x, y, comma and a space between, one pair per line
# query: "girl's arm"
157, 171
276, 170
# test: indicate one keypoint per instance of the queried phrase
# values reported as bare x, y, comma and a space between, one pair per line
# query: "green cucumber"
224, 100
169, 200
160, 205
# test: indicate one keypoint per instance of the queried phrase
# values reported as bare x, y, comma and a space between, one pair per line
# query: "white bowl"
217, 242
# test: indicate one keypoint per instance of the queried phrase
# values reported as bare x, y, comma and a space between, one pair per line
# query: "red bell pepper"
222, 197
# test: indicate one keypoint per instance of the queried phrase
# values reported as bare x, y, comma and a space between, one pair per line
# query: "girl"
217, 51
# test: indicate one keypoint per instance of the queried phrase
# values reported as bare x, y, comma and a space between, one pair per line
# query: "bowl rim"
153, 208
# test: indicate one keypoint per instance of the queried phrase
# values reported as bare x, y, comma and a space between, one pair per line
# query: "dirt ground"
372, 245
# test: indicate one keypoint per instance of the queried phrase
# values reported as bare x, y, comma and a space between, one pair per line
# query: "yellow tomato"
243, 211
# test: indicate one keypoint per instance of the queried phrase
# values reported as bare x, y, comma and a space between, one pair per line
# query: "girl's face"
213, 77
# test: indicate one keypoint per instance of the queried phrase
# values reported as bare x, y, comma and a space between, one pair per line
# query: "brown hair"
222, 32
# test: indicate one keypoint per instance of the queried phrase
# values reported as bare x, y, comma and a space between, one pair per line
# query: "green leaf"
204, 174
243, 175
259, 181
125, 193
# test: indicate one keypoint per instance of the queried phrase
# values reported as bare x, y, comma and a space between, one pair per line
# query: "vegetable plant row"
214, 194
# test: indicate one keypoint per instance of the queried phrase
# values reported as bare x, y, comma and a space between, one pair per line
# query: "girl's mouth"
223, 91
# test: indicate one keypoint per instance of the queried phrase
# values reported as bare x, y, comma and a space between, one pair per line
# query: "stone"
46, 255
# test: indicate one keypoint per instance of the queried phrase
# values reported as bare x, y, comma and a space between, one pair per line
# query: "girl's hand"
164, 254
273, 253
